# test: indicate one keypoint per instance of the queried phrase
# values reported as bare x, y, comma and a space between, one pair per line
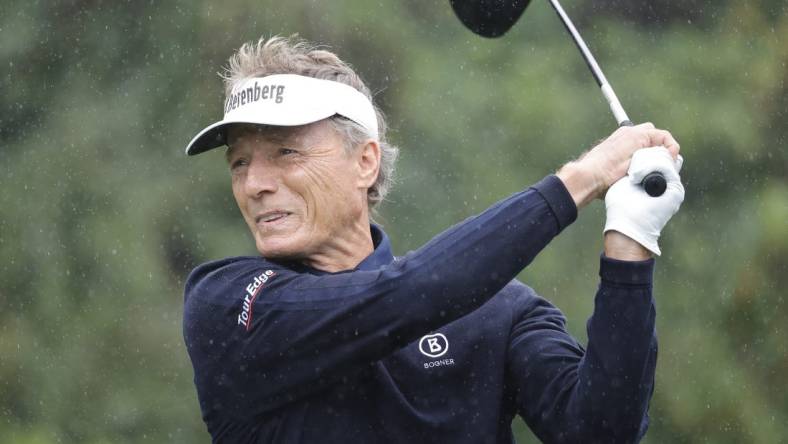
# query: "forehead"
263, 132
320, 134
247, 132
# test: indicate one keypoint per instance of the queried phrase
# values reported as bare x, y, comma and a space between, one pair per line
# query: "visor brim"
215, 135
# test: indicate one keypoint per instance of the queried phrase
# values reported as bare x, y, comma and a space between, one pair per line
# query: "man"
326, 337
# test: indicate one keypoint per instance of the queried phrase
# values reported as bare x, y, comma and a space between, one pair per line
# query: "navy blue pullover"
439, 346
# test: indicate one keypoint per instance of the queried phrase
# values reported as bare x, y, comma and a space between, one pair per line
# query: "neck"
346, 251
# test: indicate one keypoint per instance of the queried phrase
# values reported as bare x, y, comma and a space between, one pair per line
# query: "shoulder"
219, 295
218, 277
518, 295
526, 304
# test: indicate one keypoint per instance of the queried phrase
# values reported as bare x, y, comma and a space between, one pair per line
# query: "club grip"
654, 183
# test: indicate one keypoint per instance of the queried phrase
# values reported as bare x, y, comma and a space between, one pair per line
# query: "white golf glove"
634, 213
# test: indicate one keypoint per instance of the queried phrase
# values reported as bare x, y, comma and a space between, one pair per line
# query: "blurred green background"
102, 216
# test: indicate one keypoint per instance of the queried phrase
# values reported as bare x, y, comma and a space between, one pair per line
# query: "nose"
262, 176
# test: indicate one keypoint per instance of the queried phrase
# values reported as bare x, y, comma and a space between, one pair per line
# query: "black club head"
489, 18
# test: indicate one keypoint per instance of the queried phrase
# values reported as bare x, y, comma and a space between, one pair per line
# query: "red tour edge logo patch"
252, 290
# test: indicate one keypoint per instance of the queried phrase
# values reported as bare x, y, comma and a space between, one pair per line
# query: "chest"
459, 362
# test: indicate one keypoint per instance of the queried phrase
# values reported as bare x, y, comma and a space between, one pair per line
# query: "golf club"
493, 18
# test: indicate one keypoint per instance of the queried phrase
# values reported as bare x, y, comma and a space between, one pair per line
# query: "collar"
380, 256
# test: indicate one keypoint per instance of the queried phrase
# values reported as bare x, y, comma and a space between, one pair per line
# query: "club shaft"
601, 80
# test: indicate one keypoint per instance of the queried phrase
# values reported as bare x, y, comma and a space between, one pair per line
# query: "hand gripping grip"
654, 183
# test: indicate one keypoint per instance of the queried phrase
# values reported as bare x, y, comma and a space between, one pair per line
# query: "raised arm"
600, 394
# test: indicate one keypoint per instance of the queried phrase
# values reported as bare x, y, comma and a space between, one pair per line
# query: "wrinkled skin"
302, 194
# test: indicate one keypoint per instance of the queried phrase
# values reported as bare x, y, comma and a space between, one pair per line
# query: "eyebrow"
282, 136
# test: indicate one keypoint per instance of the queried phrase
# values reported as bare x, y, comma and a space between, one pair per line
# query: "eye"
287, 151
238, 163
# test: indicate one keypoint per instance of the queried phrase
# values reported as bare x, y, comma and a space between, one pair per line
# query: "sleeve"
601, 394
307, 331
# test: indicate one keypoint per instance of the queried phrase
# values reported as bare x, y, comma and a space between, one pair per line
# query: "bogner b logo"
434, 345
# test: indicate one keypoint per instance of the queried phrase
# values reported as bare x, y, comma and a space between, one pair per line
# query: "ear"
368, 162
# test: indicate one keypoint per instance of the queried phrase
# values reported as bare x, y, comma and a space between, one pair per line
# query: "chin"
280, 247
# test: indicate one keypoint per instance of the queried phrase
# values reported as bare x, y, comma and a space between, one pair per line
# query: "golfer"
327, 337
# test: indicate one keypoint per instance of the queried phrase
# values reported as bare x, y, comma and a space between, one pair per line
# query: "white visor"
286, 100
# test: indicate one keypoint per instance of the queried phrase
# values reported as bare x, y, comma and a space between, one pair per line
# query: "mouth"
271, 217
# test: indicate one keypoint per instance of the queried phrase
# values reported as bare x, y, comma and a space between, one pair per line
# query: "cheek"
240, 197
327, 186
332, 193
322, 182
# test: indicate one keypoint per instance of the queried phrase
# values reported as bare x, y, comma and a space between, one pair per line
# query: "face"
298, 188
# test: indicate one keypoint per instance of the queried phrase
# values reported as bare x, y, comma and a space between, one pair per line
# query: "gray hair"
279, 55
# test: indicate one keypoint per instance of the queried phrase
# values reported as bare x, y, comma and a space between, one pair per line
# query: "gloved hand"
634, 213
